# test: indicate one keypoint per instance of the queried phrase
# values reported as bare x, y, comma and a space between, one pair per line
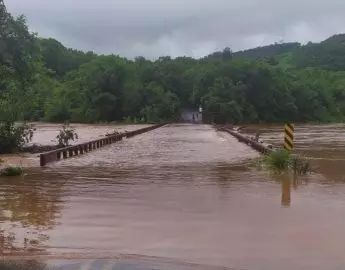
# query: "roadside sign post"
289, 136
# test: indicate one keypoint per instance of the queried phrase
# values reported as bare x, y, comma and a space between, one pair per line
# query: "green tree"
42, 79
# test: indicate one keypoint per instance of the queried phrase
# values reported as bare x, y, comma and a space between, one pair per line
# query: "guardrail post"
42, 160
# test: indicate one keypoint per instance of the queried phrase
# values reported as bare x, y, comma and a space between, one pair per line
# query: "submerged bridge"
86, 147
157, 151
150, 193
171, 196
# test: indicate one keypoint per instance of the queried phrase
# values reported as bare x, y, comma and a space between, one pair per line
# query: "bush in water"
278, 160
11, 171
66, 135
281, 160
300, 165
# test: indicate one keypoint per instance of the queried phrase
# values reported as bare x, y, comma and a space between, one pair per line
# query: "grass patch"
278, 160
281, 160
11, 171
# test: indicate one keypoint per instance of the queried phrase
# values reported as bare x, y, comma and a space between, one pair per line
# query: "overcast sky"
195, 28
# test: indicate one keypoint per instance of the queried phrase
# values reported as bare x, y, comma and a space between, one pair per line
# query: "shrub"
278, 160
11, 171
300, 165
282, 160
13, 137
66, 135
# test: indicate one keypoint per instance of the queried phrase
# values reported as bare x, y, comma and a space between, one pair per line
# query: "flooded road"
184, 193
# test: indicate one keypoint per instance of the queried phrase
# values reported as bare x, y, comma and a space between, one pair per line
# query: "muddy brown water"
186, 193
46, 133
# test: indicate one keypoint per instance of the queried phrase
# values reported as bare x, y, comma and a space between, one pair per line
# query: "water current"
186, 193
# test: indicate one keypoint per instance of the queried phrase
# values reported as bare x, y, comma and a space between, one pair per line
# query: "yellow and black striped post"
289, 136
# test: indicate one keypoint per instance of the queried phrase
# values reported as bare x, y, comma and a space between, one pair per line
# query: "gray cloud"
179, 27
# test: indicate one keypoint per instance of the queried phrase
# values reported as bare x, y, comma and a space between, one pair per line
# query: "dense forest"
43, 80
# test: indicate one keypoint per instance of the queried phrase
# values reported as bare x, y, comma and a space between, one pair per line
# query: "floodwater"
324, 144
184, 193
45, 134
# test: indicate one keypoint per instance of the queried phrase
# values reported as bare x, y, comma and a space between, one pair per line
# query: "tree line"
42, 80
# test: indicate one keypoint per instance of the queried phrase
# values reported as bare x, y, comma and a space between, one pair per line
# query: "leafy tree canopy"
41, 79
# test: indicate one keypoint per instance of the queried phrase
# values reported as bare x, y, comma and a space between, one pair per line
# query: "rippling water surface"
184, 192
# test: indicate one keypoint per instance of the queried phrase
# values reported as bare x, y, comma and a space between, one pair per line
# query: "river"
184, 193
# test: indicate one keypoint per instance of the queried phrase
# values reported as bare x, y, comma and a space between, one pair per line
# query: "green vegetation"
14, 136
264, 52
66, 135
281, 160
328, 54
43, 80
11, 171
278, 160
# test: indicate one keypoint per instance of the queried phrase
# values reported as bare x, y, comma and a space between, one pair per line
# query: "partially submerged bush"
300, 165
11, 171
66, 135
278, 160
281, 160
14, 136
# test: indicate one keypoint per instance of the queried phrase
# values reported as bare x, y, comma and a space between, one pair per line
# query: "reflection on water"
289, 183
286, 191
22, 265
29, 208
182, 192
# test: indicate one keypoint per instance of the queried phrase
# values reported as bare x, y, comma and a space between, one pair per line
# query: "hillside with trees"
60, 59
258, 53
43, 80
329, 54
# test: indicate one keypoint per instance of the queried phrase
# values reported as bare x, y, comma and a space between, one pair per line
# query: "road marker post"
289, 136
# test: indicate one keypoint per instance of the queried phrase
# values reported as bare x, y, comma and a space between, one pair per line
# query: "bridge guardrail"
83, 148
253, 144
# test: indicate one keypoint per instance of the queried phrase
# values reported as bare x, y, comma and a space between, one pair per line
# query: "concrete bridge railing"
83, 148
253, 144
